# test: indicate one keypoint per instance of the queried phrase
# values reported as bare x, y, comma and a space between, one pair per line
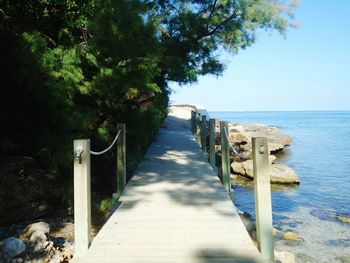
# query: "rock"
23, 184
291, 235
344, 219
242, 134
239, 138
284, 256
36, 231
36, 234
248, 168
237, 167
279, 173
12, 247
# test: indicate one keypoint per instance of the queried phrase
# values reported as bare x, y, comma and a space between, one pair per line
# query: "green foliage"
106, 205
73, 68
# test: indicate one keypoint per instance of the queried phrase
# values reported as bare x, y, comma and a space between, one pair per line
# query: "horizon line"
277, 110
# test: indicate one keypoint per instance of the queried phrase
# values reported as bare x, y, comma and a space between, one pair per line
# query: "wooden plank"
174, 210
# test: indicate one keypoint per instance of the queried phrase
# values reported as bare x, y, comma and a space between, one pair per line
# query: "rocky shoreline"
43, 240
52, 239
240, 136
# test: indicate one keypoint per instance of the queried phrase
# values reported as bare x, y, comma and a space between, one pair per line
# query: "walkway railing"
82, 186
262, 189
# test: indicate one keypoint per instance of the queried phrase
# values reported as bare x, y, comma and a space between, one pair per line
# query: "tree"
73, 68
192, 33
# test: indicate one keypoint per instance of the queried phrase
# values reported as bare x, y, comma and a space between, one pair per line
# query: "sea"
320, 155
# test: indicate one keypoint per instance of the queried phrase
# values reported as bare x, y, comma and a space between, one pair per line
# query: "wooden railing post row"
193, 121
121, 158
262, 190
198, 126
212, 143
82, 197
225, 156
204, 134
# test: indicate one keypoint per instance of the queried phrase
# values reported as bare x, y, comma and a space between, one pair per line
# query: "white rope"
109, 147
231, 146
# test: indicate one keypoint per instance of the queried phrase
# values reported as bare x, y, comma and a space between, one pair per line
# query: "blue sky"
307, 70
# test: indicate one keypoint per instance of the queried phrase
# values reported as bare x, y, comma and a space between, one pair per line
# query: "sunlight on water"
320, 154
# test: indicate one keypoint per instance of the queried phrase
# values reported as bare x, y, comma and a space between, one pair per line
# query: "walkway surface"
174, 209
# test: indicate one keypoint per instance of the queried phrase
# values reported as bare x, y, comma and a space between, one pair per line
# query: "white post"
225, 156
212, 143
193, 121
262, 190
204, 134
198, 126
82, 197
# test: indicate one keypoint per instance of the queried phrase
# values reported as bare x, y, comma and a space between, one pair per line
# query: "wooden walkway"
174, 209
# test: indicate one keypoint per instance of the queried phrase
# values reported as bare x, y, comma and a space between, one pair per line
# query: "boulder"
239, 138
237, 168
279, 173
25, 191
12, 247
283, 174
242, 134
36, 234
36, 231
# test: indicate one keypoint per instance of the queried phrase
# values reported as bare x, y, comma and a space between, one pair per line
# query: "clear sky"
307, 70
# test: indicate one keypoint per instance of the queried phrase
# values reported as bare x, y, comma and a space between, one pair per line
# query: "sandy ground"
178, 118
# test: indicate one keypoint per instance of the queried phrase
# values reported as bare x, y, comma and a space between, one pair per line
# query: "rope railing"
109, 147
260, 155
231, 146
82, 185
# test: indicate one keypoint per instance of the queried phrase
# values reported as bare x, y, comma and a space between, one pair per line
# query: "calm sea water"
320, 154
